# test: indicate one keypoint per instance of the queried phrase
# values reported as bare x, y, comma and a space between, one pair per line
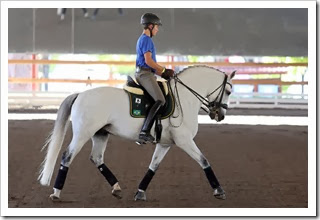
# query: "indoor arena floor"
259, 166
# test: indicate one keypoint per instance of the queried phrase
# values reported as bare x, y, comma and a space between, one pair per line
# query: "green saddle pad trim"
140, 104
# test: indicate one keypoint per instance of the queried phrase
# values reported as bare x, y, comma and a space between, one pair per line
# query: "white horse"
99, 112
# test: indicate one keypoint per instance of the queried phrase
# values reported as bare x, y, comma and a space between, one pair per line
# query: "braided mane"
194, 66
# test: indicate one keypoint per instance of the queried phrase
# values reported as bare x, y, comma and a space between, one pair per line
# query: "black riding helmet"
150, 18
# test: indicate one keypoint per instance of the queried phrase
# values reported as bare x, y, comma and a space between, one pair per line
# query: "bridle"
214, 105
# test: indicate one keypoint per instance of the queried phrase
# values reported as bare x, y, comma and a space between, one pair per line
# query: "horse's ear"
233, 74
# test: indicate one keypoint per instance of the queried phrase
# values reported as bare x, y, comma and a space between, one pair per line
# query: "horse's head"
218, 105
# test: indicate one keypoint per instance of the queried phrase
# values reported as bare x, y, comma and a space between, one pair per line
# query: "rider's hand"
167, 74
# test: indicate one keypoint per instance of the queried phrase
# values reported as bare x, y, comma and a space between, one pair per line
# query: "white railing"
263, 100
36, 99
237, 100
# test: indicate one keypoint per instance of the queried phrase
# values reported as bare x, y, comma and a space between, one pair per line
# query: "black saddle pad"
141, 104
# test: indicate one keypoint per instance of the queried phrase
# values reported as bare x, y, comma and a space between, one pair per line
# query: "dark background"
217, 32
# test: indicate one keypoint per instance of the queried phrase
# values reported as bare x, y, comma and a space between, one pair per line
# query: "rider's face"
155, 30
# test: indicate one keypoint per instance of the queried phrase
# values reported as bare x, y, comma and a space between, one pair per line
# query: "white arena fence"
45, 100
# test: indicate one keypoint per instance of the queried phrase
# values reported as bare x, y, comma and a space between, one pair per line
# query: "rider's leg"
158, 155
190, 147
99, 143
147, 125
149, 82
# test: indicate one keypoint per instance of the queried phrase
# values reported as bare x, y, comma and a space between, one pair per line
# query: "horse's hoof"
117, 193
54, 197
140, 195
219, 193
140, 142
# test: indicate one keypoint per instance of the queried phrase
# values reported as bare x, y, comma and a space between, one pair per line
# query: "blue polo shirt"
145, 44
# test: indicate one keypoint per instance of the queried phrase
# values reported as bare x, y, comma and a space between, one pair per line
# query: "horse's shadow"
64, 201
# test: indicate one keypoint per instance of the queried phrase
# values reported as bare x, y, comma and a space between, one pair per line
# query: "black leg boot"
147, 125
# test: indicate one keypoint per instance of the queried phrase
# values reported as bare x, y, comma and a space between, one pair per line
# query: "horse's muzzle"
216, 115
221, 117
212, 115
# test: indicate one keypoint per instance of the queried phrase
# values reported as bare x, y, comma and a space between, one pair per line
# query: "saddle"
134, 87
141, 102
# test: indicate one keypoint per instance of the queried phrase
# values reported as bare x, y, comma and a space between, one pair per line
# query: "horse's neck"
203, 80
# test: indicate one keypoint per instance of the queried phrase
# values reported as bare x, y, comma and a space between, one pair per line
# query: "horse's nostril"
222, 117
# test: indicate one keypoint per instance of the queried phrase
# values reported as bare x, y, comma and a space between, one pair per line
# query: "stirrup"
147, 137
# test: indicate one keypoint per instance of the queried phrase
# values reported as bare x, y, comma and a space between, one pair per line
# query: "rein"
174, 97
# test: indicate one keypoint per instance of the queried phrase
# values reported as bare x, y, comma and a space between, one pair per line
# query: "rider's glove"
167, 73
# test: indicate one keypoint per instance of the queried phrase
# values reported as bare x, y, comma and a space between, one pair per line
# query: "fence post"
34, 73
276, 100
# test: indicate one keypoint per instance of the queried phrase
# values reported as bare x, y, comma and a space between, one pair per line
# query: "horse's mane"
190, 67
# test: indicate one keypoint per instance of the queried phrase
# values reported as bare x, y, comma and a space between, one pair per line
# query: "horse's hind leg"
99, 143
73, 149
158, 155
191, 148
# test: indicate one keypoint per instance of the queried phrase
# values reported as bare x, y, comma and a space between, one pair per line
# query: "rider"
146, 67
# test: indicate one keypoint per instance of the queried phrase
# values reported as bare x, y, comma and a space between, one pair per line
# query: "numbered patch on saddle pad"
140, 105
138, 101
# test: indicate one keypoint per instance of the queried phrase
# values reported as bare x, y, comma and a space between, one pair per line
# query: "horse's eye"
228, 92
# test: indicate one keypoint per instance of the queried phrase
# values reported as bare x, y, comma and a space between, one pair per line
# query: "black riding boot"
147, 125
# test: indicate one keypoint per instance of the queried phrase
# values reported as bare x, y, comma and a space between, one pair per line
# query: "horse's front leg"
189, 146
158, 155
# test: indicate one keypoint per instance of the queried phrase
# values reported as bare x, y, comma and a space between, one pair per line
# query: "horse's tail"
55, 140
